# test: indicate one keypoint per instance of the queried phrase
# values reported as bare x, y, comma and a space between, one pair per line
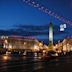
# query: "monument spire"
50, 34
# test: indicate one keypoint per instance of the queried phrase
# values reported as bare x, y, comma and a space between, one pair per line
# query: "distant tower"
50, 35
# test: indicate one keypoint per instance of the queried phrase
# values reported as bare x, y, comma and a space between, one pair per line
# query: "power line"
47, 11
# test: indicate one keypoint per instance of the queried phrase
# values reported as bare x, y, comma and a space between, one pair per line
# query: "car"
50, 55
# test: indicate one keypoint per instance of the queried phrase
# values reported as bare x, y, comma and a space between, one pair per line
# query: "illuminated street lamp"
6, 42
36, 48
40, 44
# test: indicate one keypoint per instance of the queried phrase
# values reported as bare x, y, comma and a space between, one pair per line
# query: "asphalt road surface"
35, 64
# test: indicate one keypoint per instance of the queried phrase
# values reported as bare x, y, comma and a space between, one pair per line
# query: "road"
34, 64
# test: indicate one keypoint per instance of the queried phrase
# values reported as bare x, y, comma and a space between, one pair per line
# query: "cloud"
33, 27
40, 32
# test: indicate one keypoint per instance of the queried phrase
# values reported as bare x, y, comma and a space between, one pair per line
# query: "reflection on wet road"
34, 64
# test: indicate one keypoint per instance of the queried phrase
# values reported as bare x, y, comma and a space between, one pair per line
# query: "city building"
21, 43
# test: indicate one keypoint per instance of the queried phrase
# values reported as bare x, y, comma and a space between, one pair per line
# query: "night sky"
18, 18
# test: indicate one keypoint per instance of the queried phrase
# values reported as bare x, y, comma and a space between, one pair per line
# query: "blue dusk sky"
19, 18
